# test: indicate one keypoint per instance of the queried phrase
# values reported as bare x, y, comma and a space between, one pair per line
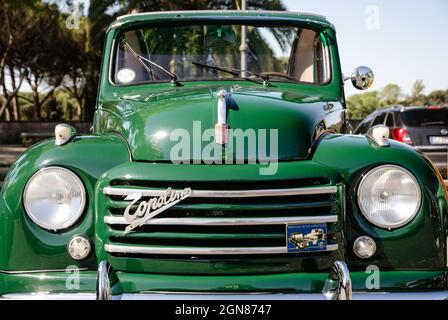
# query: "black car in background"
425, 128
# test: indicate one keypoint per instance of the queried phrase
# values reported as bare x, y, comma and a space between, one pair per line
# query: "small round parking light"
364, 247
79, 247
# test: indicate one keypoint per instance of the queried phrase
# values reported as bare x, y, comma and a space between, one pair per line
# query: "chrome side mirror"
362, 78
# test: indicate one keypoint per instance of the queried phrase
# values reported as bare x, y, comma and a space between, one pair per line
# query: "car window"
425, 117
379, 119
390, 120
364, 126
398, 122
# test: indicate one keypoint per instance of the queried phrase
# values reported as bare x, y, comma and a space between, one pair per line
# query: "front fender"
24, 245
421, 243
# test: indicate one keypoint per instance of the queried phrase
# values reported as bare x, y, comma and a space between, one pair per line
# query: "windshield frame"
282, 23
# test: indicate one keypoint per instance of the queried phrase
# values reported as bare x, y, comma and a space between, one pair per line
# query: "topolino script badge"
147, 210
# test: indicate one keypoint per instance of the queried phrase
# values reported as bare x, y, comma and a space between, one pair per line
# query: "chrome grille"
221, 222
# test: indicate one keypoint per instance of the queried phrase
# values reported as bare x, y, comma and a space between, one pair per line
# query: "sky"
400, 40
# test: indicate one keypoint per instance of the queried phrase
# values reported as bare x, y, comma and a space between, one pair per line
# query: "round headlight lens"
389, 196
54, 198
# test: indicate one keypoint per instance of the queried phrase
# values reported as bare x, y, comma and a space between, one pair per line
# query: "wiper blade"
425, 124
142, 61
234, 71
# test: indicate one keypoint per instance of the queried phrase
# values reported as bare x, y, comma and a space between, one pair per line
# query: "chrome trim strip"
41, 271
220, 12
112, 220
117, 248
440, 164
220, 296
433, 147
225, 193
49, 296
436, 154
428, 295
364, 295
111, 57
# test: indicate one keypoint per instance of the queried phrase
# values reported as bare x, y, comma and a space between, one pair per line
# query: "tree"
438, 97
361, 105
14, 19
44, 59
6, 47
75, 72
98, 19
417, 89
416, 97
170, 5
390, 95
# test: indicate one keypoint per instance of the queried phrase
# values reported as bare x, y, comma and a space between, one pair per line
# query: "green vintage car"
217, 136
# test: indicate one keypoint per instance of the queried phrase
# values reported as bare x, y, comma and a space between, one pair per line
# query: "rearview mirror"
220, 36
362, 78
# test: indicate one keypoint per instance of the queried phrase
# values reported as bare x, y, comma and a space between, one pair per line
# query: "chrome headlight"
54, 198
389, 196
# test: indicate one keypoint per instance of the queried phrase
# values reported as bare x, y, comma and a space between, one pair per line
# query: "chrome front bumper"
429, 295
339, 275
338, 288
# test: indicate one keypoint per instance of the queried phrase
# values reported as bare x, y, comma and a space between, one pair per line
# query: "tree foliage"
171, 5
360, 105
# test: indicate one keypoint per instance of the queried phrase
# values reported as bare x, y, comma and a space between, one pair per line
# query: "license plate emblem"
307, 237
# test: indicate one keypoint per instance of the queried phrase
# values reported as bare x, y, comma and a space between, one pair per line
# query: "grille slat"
141, 249
255, 229
199, 243
229, 221
198, 235
259, 193
224, 185
215, 205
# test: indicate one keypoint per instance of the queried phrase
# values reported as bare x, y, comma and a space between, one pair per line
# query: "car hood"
180, 124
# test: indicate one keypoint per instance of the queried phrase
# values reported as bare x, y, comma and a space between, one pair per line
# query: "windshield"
211, 52
425, 117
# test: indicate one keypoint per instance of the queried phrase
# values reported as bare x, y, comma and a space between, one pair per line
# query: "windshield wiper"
426, 124
142, 61
234, 71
